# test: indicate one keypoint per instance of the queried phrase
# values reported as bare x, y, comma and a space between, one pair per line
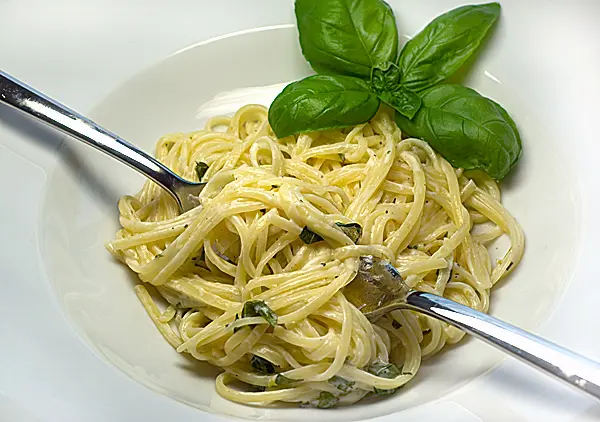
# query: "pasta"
246, 245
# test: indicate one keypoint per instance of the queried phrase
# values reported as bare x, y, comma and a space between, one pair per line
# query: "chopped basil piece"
262, 365
201, 169
352, 230
326, 400
384, 370
382, 392
281, 380
341, 384
254, 308
309, 237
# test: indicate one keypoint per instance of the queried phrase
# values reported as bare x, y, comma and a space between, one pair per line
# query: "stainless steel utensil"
378, 289
26, 99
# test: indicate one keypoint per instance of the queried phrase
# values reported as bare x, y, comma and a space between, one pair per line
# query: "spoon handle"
26, 99
546, 356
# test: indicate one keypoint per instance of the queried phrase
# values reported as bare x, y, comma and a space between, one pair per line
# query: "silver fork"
378, 289
26, 99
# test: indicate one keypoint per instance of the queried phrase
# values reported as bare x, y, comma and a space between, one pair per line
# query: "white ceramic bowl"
551, 193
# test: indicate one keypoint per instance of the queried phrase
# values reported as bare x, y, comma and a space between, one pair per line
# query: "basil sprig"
354, 45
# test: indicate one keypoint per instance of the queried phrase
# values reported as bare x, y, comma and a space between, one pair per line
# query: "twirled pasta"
243, 242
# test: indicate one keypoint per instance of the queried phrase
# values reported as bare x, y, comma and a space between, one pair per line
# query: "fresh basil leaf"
262, 365
201, 169
384, 82
444, 45
322, 102
309, 237
347, 37
467, 129
352, 230
384, 370
341, 384
326, 400
254, 308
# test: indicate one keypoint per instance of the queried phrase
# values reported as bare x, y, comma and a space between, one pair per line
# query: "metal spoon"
378, 289
26, 99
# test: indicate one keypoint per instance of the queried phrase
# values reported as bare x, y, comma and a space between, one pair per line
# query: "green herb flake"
384, 370
309, 237
281, 380
341, 384
254, 308
326, 400
262, 365
201, 169
352, 230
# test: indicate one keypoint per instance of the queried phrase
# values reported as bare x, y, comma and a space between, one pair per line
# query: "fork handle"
30, 101
544, 355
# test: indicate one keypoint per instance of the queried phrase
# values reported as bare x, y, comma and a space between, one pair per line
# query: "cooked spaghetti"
252, 279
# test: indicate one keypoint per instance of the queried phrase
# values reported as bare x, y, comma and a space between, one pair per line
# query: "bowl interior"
96, 293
